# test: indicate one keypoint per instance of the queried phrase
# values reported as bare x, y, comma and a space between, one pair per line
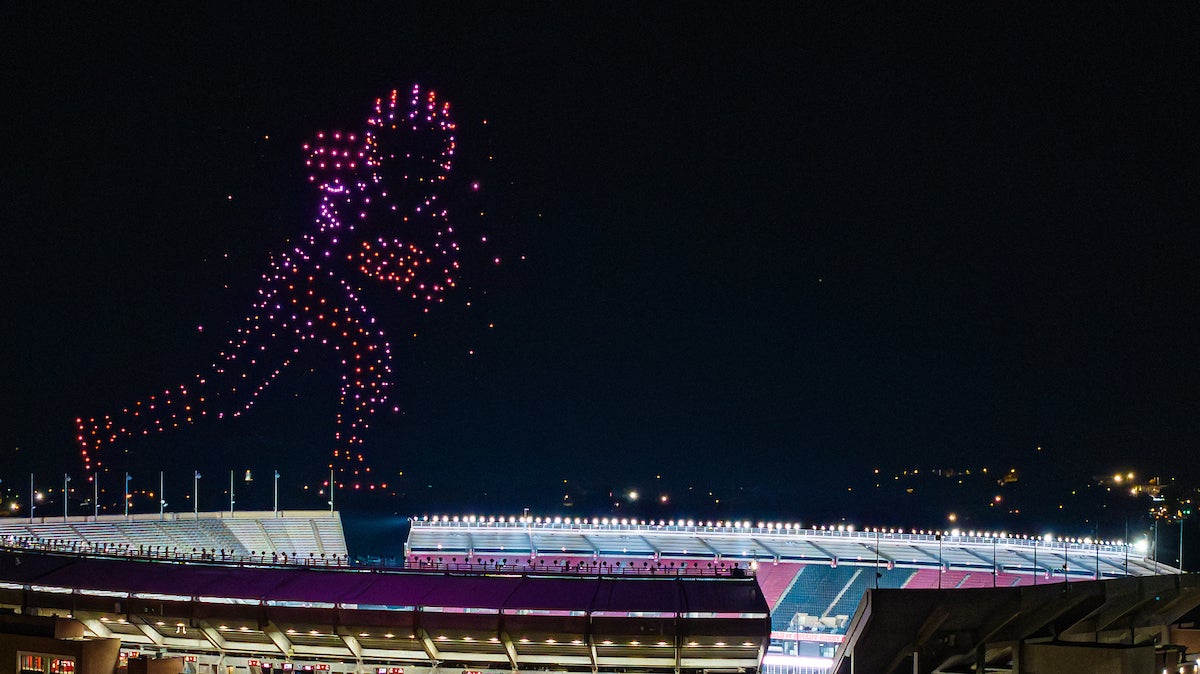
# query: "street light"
96, 495
32, 502
127, 479
231, 501
331, 490
66, 479
276, 492
162, 496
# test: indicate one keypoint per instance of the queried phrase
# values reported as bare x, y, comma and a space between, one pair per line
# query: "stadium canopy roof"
483, 539
978, 629
372, 615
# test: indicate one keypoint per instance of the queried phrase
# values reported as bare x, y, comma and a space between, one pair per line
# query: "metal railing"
171, 553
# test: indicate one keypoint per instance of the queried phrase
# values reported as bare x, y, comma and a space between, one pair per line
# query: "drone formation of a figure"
379, 219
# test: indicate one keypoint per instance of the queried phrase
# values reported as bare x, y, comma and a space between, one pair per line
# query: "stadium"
812, 577
252, 593
256, 591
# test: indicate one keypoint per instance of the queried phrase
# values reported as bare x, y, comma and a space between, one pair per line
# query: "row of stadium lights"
745, 524
529, 519
440, 637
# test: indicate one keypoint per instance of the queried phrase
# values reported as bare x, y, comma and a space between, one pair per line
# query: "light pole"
1036, 570
231, 501
1181, 543
1126, 545
877, 559
276, 492
196, 493
995, 571
32, 505
1065, 560
67, 478
331, 491
96, 495
941, 567
127, 479
162, 497
1155, 548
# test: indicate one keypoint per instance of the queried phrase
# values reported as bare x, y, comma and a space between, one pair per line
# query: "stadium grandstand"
303, 537
812, 578
100, 595
810, 581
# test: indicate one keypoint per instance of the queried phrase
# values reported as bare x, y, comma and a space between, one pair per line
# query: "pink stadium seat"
924, 579
775, 578
978, 579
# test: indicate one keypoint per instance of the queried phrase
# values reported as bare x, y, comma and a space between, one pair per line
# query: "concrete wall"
1186, 636
155, 665
1069, 658
98, 656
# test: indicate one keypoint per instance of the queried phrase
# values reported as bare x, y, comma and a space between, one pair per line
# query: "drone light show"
379, 219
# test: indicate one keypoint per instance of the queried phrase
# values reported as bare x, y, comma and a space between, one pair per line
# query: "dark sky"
768, 248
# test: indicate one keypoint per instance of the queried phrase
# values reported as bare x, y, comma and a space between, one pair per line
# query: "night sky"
767, 250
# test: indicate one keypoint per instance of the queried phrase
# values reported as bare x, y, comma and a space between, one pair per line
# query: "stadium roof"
491, 538
372, 615
981, 628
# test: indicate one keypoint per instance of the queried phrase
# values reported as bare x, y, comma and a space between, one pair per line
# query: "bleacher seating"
812, 594
924, 579
268, 536
1013, 579
775, 579
845, 606
979, 579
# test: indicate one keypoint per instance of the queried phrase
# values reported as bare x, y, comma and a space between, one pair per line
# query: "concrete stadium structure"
120, 591
813, 578
1134, 625
808, 582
